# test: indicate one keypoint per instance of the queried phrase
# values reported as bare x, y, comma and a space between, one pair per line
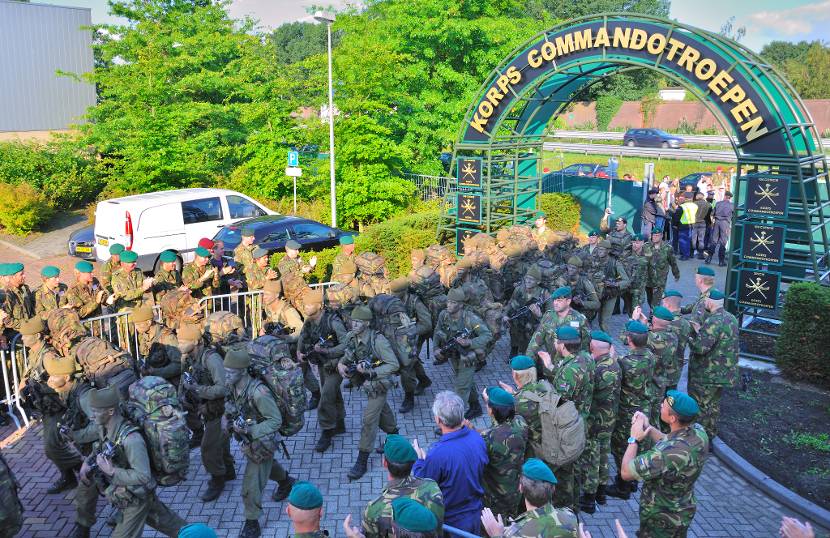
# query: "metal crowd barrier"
452, 531
15, 360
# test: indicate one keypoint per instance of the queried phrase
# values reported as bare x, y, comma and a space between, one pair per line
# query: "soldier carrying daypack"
371, 274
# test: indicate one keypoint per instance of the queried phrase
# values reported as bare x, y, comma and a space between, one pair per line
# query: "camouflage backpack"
426, 284
437, 254
104, 364
154, 407
293, 287
391, 320
222, 324
480, 241
65, 329
370, 263
284, 378
11, 509
180, 307
563, 430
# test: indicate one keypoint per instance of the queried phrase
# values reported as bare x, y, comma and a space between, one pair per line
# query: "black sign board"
758, 289
461, 235
469, 173
469, 208
767, 195
763, 243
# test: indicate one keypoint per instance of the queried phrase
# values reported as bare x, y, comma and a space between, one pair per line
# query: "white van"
149, 224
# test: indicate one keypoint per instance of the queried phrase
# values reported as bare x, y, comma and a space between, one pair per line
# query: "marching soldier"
413, 377
619, 237
609, 278
681, 327
158, 347
111, 266
86, 295
526, 307
636, 265
167, 277
253, 402
560, 315
660, 258
52, 292
370, 355
293, 263
278, 310
514, 268
584, 295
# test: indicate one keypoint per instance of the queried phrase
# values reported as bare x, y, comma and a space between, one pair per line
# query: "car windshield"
230, 235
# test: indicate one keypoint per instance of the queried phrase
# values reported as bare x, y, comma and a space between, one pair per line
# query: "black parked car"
82, 243
583, 169
654, 138
271, 232
692, 180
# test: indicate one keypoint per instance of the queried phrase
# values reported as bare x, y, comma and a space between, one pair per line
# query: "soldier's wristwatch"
632, 440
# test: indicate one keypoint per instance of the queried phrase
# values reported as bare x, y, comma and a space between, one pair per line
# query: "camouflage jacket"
660, 259
108, 269
291, 265
606, 271
696, 310
683, 329
669, 471
529, 410
606, 398
244, 256
377, 517
666, 367
545, 335
585, 297
164, 281
128, 289
714, 358
573, 378
84, 299
506, 446
544, 522
447, 328
620, 241
255, 276
343, 268
522, 296
47, 300
199, 289
637, 373
19, 305
637, 267
160, 349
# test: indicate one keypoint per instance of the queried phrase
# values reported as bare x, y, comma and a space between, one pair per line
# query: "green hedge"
23, 208
802, 350
563, 211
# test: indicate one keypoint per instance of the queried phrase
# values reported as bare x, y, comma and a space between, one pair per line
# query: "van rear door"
111, 226
160, 228
202, 218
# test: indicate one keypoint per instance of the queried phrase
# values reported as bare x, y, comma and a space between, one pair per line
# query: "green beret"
640, 237
167, 256
305, 496
499, 396
363, 313
625, 220
593, 233
128, 256
141, 314
202, 252
661, 312
410, 515
657, 231
576, 261
682, 403
672, 293
116, 249
705, 271
398, 449
602, 336
104, 398
247, 232
566, 333
604, 243
84, 266
535, 272
293, 245
522, 362
564, 291
716, 295
50, 271
32, 326
636, 327
259, 252
536, 469
9, 269
196, 530
347, 240
457, 295
237, 358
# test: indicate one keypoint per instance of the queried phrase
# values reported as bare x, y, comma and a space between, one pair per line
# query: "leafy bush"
801, 348
22, 208
607, 108
562, 210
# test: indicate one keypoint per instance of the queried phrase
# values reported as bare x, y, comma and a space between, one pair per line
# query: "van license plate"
102, 241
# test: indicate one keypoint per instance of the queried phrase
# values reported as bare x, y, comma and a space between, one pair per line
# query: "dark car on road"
651, 138
584, 169
271, 232
82, 243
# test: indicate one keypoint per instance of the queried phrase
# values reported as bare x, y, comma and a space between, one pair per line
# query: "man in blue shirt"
456, 462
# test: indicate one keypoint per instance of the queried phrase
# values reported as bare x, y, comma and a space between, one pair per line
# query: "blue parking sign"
293, 158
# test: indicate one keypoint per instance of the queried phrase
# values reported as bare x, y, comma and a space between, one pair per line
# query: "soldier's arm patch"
647, 465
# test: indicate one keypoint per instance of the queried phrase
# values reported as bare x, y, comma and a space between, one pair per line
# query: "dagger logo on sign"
762, 240
469, 172
757, 286
468, 208
767, 192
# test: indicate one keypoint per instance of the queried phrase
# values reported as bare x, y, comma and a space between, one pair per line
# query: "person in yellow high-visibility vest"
687, 220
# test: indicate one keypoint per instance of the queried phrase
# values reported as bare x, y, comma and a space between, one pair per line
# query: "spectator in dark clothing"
652, 213
676, 214
722, 227
699, 226
456, 462
710, 220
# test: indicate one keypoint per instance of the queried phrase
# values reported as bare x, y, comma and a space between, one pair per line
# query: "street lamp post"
328, 19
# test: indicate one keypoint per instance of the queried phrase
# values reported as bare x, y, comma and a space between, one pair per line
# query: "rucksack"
390, 319
436, 254
105, 364
154, 407
563, 430
284, 378
65, 328
370, 263
268, 348
180, 307
220, 325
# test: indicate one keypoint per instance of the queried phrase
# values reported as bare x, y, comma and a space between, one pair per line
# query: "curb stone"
770, 487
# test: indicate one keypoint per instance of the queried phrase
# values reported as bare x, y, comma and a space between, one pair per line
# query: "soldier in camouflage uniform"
200, 277
128, 289
257, 274
374, 363
681, 327
713, 364
343, 268
86, 295
610, 280
278, 310
544, 236
560, 315
459, 336
662, 341
19, 304
305, 509
167, 278
158, 347
111, 266
413, 377
594, 460
660, 258
619, 237
704, 282
11, 509
514, 268
292, 262
571, 371
636, 265
530, 298
669, 470
398, 459
584, 296
243, 252
586, 252
52, 292
637, 373
538, 485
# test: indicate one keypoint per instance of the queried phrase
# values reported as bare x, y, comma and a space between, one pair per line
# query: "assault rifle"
452, 345
107, 451
241, 423
525, 310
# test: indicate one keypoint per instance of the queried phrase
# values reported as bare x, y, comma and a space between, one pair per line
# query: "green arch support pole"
781, 193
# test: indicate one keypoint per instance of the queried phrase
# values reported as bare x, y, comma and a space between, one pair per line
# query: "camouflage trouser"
56, 448
377, 413
622, 429
509, 506
216, 449
464, 384
309, 379
131, 519
708, 399
633, 298
254, 482
655, 295
566, 494
594, 462
331, 408
664, 524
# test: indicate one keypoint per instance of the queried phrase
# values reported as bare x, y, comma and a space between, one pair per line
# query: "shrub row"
802, 348
563, 211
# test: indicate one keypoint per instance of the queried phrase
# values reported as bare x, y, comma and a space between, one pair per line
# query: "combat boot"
324, 442
423, 384
283, 489
230, 473
408, 403
66, 482
601, 498
475, 410
588, 503
619, 489
360, 466
80, 531
341, 426
314, 401
216, 485
251, 529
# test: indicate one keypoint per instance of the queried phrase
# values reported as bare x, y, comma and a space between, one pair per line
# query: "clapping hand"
351, 532
545, 356
494, 525
507, 387
793, 528
422, 454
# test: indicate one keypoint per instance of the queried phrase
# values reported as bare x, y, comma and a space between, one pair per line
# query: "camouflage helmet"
340, 294
422, 274
221, 326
